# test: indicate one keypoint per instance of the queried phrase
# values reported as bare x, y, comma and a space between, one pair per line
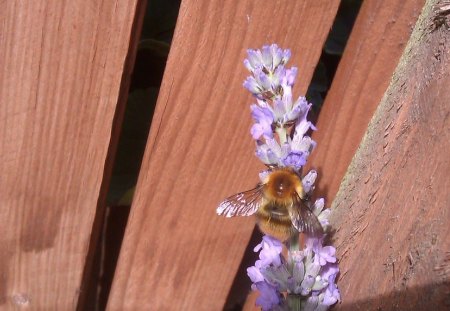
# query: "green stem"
294, 302
294, 244
282, 134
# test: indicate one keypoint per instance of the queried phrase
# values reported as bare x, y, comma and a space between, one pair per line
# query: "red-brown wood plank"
61, 65
177, 254
375, 45
392, 211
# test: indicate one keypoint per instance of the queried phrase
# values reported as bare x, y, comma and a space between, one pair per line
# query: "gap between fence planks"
391, 212
177, 254
375, 45
61, 67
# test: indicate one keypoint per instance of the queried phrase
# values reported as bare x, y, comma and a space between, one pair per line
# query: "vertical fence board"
61, 67
392, 210
375, 45
177, 254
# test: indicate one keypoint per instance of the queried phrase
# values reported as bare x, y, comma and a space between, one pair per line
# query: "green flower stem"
294, 302
282, 134
294, 243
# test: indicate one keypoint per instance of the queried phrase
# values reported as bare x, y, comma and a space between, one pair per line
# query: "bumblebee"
279, 203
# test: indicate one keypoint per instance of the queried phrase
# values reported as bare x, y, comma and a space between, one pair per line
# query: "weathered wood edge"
89, 282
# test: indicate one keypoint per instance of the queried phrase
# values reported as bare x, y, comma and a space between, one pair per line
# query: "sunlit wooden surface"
61, 67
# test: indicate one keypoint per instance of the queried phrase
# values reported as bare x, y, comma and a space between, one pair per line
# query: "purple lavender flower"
268, 58
268, 296
269, 78
307, 273
255, 274
264, 119
270, 250
295, 159
308, 181
323, 255
321, 214
308, 284
331, 295
271, 152
305, 277
302, 125
278, 276
269, 258
311, 303
259, 84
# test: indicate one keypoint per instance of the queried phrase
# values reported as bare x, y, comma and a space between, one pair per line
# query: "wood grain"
177, 254
61, 67
376, 43
391, 212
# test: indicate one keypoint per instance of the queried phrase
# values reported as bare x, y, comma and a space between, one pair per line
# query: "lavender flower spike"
268, 58
305, 279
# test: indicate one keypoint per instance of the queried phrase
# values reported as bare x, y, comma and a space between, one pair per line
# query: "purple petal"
270, 250
248, 65
332, 294
254, 58
307, 284
328, 254
290, 76
264, 119
286, 55
263, 80
278, 76
255, 274
257, 131
251, 85
329, 272
318, 206
279, 108
311, 303
295, 160
269, 296
323, 217
277, 55
261, 115
298, 274
308, 181
267, 57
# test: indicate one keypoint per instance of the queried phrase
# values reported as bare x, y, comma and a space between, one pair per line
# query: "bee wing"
242, 204
304, 219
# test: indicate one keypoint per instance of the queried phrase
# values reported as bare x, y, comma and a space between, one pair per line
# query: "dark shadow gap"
331, 55
155, 34
320, 83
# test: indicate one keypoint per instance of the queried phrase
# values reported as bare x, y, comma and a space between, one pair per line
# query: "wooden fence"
65, 69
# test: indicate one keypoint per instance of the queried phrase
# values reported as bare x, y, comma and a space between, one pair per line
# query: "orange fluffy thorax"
282, 186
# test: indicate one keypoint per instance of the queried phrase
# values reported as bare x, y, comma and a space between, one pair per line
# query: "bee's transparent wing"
242, 204
304, 219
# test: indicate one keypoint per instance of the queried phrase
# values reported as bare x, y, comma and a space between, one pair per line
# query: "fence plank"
372, 53
61, 67
177, 255
392, 215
